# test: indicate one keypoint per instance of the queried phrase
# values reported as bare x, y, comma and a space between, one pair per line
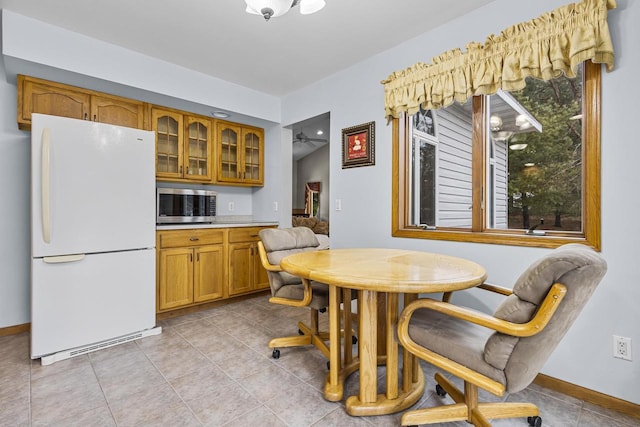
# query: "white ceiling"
218, 38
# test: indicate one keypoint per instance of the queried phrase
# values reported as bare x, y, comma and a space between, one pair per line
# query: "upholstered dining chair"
502, 352
293, 291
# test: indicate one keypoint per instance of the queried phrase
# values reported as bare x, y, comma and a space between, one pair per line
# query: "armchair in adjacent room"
505, 351
289, 290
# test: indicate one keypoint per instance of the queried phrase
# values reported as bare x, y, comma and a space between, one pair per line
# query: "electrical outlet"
275, 206
232, 206
622, 347
338, 204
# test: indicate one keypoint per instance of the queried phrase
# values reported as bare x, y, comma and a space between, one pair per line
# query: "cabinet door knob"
194, 239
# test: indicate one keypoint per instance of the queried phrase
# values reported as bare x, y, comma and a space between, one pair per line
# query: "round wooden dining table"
380, 276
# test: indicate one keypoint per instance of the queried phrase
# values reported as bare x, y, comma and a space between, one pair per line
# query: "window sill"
493, 237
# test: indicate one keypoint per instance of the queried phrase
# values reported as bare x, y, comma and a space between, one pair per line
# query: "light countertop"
218, 224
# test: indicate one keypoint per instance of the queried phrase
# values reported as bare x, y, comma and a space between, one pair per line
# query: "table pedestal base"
384, 406
378, 346
334, 392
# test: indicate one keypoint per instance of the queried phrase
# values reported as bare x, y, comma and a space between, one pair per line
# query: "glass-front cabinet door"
198, 149
168, 128
228, 152
253, 155
240, 154
184, 146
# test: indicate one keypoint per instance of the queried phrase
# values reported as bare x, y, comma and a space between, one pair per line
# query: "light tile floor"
214, 368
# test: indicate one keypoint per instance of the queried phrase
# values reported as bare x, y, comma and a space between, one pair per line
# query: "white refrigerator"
92, 236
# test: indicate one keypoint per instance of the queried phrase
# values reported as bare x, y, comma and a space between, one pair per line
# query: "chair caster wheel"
276, 354
440, 391
300, 332
323, 310
534, 421
354, 340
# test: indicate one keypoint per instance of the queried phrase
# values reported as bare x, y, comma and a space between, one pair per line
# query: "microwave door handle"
45, 191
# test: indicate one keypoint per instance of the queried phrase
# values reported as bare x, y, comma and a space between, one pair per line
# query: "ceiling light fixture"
516, 143
523, 122
518, 146
501, 136
220, 114
495, 122
319, 132
273, 8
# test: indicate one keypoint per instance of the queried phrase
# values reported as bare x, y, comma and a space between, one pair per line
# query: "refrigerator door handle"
63, 258
46, 185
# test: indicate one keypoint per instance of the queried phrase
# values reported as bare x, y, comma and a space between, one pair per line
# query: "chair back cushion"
281, 242
576, 266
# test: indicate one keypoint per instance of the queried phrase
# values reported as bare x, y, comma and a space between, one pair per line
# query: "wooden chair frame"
467, 407
309, 334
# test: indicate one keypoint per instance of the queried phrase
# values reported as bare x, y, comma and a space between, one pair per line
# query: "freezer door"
90, 298
92, 187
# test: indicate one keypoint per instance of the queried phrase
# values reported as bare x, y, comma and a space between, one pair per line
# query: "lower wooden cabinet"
175, 278
190, 267
195, 266
246, 273
208, 281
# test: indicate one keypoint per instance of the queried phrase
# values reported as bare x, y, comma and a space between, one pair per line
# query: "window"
519, 168
423, 169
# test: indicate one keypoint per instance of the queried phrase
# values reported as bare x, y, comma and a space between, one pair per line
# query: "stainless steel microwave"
177, 205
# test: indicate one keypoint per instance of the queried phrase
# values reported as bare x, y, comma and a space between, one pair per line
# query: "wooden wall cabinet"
246, 273
45, 97
183, 146
117, 111
190, 267
240, 154
190, 148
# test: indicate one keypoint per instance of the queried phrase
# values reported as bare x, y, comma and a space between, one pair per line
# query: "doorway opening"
310, 148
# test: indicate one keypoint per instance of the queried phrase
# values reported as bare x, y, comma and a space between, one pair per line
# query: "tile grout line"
262, 404
168, 382
104, 395
218, 367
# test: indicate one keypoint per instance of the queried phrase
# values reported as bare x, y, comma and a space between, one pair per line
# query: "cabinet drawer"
193, 237
244, 234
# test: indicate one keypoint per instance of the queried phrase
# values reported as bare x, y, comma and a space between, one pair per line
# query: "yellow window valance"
545, 47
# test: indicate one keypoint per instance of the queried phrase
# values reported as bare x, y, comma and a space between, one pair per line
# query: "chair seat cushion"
296, 292
455, 339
